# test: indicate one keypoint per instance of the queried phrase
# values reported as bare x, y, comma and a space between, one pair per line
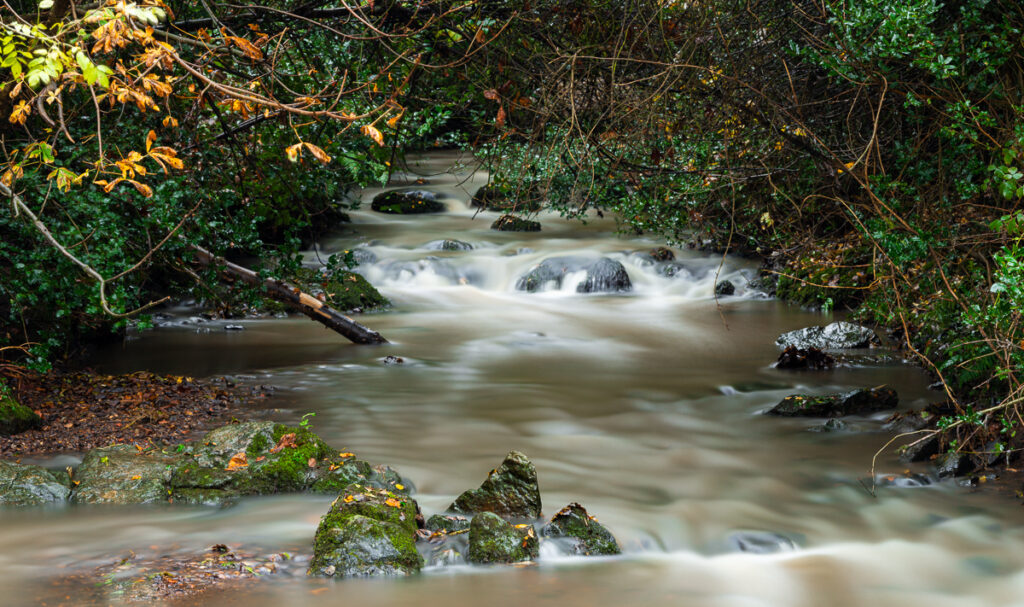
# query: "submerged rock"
407, 202
725, 288
367, 532
510, 490
495, 540
832, 425
835, 336
856, 402
511, 223
603, 275
589, 536
761, 542
804, 358
662, 254
448, 245
16, 417
26, 485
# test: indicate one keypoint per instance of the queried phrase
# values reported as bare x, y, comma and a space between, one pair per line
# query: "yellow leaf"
150, 138
373, 133
143, 189
293, 152
349, 499
238, 460
317, 152
136, 477
393, 121
346, 454
399, 486
393, 502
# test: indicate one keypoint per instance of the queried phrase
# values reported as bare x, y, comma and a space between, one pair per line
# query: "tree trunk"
292, 296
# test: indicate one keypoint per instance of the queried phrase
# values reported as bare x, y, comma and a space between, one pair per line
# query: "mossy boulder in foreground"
15, 417
26, 485
410, 202
857, 402
510, 490
367, 532
588, 537
494, 540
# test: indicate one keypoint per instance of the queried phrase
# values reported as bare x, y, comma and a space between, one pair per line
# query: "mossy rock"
856, 402
511, 223
511, 491
122, 474
410, 202
343, 291
367, 532
16, 417
492, 539
27, 485
589, 536
447, 523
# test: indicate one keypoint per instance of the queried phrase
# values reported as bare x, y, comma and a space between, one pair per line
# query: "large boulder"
124, 474
494, 540
407, 202
511, 223
14, 416
603, 275
367, 532
26, 485
857, 402
835, 336
511, 491
588, 537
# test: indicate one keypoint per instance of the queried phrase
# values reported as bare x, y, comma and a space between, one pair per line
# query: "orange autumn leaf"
393, 502
238, 460
312, 462
349, 499
346, 454
288, 440
373, 133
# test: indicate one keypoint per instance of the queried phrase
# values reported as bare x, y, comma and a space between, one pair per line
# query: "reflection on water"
644, 407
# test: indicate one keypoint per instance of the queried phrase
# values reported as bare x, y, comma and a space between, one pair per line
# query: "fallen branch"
294, 297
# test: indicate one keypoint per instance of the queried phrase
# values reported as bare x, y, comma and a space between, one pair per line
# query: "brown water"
643, 407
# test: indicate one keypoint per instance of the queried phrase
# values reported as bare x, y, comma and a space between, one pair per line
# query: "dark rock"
831, 425
510, 491
448, 245
662, 254
809, 358
367, 532
589, 536
407, 202
919, 451
603, 275
124, 475
511, 223
905, 481
26, 485
724, 288
834, 336
393, 360
494, 540
761, 542
15, 417
955, 464
856, 402
674, 270
447, 523
909, 421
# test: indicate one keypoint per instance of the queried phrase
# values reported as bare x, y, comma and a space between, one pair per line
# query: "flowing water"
645, 407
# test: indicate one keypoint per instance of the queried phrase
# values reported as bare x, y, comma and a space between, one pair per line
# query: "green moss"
349, 290
494, 540
15, 417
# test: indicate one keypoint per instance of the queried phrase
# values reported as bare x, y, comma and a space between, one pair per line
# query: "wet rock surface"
510, 491
804, 358
761, 542
15, 417
124, 474
603, 275
662, 254
367, 533
588, 537
856, 402
448, 244
447, 523
407, 202
835, 336
26, 485
511, 223
725, 288
492, 539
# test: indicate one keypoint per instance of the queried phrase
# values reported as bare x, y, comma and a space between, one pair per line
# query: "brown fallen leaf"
393, 502
238, 460
288, 440
312, 462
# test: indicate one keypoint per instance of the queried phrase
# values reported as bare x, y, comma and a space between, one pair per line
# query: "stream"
645, 407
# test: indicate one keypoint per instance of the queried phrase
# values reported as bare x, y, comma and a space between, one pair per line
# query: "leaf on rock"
288, 440
238, 460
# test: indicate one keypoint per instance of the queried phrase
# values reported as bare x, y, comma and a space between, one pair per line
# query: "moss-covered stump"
122, 474
494, 540
511, 491
15, 417
588, 536
367, 532
25, 485
511, 223
409, 202
343, 290
856, 402
834, 336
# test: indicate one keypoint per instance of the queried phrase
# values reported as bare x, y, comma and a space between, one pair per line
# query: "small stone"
590, 537
511, 491
724, 288
393, 360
